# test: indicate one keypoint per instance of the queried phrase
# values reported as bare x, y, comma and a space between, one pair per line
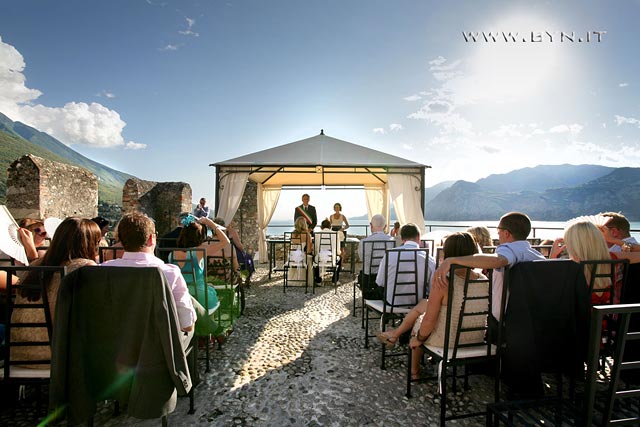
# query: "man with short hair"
308, 212
137, 233
617, 233
410, 234
513, 230
370, 290
202, 210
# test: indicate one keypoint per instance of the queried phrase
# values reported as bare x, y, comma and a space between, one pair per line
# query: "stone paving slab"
298, 359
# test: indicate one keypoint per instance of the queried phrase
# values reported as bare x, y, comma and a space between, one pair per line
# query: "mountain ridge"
21, 139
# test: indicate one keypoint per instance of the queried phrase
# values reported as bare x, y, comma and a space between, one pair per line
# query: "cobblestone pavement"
298, 359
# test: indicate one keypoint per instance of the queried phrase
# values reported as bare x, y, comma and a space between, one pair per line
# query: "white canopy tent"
322, 161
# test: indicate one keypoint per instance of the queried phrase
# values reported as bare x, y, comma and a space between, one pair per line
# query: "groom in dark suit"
308, 212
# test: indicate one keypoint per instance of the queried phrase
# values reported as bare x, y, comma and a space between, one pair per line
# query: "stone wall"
162, 201
246, 218
40, 188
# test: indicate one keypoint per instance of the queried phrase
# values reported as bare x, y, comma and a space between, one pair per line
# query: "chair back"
606, 279
107, 253
117, 336
489, 249
468, 305
221, 266
294, 251
187, 259
372, 253
28, 324
406, 277
620, 404
326, 245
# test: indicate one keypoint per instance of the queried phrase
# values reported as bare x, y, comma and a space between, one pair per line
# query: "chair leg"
366, 327
443, 395
164, 421
408, 373
383, 327
354, 299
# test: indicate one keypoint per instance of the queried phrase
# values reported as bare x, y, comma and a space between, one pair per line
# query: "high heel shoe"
390, 342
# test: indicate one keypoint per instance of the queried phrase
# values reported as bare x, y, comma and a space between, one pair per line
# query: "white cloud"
573, 129
438, 61
170, 47
106, 94
75, 123
378, 130
407, 146
510, 130
412, 98
189, 31
623, 84
395, 127
620, 120
134, 146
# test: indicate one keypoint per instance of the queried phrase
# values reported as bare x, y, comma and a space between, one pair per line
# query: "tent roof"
320, 160
320, 150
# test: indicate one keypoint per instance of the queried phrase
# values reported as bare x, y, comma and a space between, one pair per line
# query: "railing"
536, 232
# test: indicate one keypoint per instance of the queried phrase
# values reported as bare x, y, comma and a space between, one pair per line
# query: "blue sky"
161, 89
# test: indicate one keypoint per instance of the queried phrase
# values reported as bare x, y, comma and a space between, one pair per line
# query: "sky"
161, 89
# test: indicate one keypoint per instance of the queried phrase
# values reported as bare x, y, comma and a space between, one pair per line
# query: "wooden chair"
326, 247
404, 286
615, 404
464, 342
25, 318
297, 265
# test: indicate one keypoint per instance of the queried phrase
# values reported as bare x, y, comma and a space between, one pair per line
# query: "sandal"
386, 339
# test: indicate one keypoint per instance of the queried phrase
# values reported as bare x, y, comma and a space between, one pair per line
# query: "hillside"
618, 190
18, 139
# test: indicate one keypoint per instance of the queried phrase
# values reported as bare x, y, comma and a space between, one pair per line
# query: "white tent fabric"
377, 201
405, 194
232, 186
267, 202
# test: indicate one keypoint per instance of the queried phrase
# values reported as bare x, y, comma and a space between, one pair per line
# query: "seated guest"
481, 235
137, 233
617, 233
367, 279
513, 230
427, 320
74, 245
301, 239
410, 235
245, 260
104, 229
38, 232
585, 242
220, 245
193, 235
326, 226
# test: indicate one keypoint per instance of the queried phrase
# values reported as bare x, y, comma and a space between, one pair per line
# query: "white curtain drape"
267, 202
406, 195
377, 201
232, 188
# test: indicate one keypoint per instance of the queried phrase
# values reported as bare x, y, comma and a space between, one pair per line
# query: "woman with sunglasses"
39, 233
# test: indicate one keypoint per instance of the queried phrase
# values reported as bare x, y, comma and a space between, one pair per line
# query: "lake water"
542, 229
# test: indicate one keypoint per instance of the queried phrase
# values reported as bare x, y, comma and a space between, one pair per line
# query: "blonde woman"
481, 235
585, 242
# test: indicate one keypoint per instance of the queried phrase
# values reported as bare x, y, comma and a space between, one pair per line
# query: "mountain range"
18, 139
550, 193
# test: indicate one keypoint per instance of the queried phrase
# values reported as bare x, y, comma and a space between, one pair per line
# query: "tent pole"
216, 189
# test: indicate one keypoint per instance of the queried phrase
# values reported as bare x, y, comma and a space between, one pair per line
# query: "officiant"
308, 212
